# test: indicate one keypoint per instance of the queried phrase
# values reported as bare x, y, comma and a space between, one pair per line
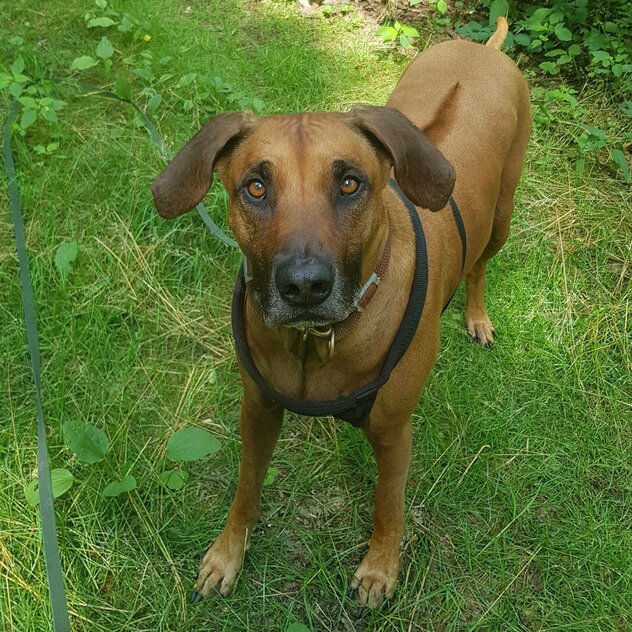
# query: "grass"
519, 500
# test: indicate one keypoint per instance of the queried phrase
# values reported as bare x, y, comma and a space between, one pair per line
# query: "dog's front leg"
376, 576
260, 428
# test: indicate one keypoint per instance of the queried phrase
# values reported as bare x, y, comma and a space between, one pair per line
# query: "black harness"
353, 408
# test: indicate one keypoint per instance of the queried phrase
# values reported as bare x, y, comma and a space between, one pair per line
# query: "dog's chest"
306, 372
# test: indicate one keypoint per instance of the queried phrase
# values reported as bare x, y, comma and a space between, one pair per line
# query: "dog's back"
472, 101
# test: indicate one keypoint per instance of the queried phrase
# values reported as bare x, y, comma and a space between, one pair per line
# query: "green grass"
520, 495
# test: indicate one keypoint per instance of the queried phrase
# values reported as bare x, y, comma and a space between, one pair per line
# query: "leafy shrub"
588, 38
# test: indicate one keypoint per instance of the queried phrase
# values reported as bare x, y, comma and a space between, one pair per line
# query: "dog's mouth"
275, 312
311, 323
282, 316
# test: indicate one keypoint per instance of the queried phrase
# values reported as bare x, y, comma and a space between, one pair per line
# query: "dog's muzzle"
304, 281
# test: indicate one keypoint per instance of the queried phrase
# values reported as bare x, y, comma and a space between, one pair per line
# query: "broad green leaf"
28, 118
475, 31
550, 67
600, 55
83, 63
88, 443
61, 480
143, 73
574, 50
5, 80
523, 39
153, 103
189, 444
101, 3
442, 6
187, 79
298, 627
496, 9
556, 52
409, 31
626, 108
104, 49
28, 102
116, 488
594, 138
597, 132
65, 254
174, 479
404, 40
271, 475
49, 115
387, 33
125, 25
563, 34
619, 159
15, 89
17, 66
258, 106
123, 88
103, 22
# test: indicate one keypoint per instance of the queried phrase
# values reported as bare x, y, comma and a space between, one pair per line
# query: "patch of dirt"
379, 11
401, 10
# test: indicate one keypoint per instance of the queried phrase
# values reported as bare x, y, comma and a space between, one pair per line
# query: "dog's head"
305, 199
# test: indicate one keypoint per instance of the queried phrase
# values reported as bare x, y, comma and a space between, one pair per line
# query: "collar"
355, 407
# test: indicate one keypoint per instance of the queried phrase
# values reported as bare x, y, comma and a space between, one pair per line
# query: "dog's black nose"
304, 281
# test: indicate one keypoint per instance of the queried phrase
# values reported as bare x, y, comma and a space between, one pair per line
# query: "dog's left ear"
421, 170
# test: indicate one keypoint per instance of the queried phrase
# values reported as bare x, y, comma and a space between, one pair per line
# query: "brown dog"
312, 210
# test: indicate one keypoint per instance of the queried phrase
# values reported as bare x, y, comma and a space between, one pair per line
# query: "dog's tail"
502, 28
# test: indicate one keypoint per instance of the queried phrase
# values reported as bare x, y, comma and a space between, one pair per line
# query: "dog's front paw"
221, 565
376, 578
480, 329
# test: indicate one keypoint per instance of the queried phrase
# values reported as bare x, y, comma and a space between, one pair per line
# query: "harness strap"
458, 220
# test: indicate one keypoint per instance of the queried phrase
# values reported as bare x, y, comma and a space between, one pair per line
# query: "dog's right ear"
188, 177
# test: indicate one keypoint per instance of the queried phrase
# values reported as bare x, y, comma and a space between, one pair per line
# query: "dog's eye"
349, 185
256, 189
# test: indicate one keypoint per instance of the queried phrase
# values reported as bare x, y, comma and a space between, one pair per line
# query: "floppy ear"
188, 177
422, 172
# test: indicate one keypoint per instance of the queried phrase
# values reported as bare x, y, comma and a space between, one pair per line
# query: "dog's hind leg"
478, 324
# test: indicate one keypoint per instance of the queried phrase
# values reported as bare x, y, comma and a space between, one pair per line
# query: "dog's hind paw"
480, 330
